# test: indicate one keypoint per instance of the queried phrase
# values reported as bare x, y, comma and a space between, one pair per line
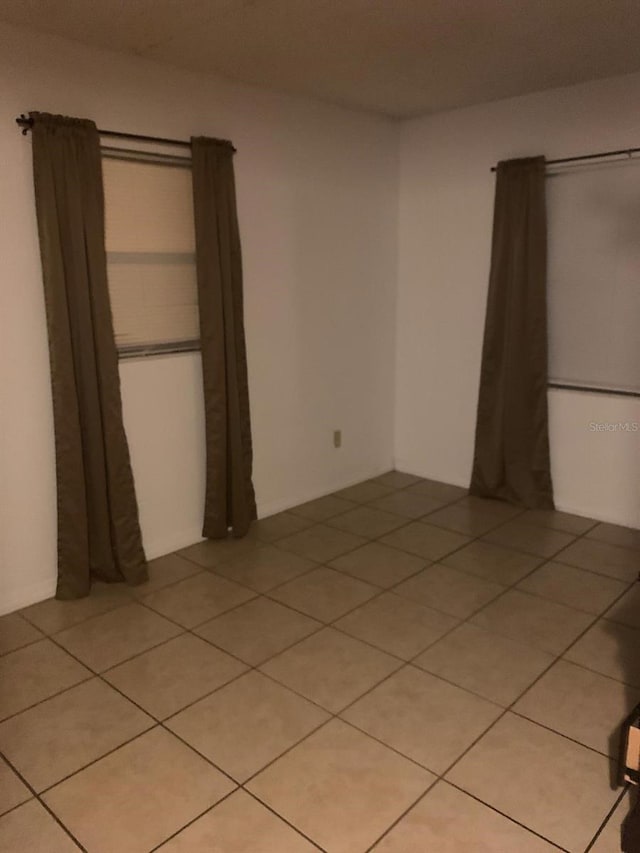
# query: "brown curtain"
229, 497
511, 460
98, 530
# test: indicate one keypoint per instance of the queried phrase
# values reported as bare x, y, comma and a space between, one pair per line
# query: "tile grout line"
282, 818
35, 796
293, 746
160, 723
608, 817
410, 662
438, 781
188, 630
157, 724
509, 708
216, 804
322, 626
506, 710
406, 663
403, 662
508, 817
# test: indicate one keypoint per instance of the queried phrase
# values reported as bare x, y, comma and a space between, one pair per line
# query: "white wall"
323, 245
445, 213
317, 196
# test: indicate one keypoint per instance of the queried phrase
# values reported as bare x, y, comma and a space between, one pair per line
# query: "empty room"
319, 426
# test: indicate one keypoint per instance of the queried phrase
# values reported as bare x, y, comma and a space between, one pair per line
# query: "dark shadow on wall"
626, 632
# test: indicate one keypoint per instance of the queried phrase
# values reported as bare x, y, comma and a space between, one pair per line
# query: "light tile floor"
398, 667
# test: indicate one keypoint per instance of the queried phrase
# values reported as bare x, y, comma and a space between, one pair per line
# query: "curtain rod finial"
24, 122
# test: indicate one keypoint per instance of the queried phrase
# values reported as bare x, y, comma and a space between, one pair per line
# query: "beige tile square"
408, 504
16, 632
239, 824
111, 638
379, 564
368, 522
12, 790
167, 678
472, 516
322, 508
544, 624
278, 526
321, 543
396, 625
341, 788
453, 592
605, 559
565, 521
444, 492
397, 479
580, 704
610, 839
615, 534
610, 649
530, 538
258, 630
31, 829
63, 734
627, 610
324, 593
462, 520
330, 668
363, 493
211, 552
265, 567
495, 667
573, 587
197, 599
492, 562
499, 509
425, 540
52, 615
34, 673
426, 719
164, 571
247, 724
533, 775
448, 821
134, 798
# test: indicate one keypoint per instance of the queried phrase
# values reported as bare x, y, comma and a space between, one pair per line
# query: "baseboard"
173, 542
265, 509
561, 506
16, 599
417, 471
598, 515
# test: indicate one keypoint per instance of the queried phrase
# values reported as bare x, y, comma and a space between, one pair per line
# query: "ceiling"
395, 57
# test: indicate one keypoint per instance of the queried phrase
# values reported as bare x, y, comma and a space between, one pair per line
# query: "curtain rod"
26, 123
593, 389
628, 151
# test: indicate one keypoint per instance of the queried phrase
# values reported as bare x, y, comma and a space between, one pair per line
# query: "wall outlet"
337, 438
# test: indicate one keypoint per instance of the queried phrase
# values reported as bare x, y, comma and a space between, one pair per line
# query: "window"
150, 243
594, 275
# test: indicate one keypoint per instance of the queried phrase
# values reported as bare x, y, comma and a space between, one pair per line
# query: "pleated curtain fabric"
511, 459
631, 827
229, 496
98, 530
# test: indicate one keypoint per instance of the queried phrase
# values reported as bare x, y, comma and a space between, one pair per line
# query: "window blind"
150, 244
594, 275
